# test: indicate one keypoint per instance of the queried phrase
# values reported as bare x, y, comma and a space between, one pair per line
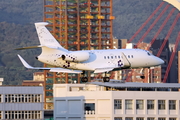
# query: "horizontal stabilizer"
63, 70
31, 47
101, 70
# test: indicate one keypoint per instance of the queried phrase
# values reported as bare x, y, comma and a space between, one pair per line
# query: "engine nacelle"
77, 56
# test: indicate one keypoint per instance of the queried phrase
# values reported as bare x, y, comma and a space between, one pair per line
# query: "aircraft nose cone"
160, 61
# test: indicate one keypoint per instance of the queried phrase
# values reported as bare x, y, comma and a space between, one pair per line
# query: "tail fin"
46, 38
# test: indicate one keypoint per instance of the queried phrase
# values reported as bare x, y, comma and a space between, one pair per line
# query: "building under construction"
77, 25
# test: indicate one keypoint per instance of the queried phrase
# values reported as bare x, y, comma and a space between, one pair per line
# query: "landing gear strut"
142, 76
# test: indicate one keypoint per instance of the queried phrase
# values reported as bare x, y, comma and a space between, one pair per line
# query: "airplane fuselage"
131, 58
99, 61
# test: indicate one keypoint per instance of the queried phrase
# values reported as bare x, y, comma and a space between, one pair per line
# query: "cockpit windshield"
149, 53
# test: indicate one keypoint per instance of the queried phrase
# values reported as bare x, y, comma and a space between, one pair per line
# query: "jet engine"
77, 56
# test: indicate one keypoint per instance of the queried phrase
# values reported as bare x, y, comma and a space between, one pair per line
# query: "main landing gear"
106, 79
85, 79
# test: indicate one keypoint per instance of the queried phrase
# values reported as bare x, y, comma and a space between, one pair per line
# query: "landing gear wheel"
142, 77
106, 79
84, 79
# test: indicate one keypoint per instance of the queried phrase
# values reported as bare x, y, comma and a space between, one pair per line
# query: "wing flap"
101, 70
63, 70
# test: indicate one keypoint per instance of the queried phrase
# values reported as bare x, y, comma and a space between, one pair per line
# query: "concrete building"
1, 80
21, 102
38, 80
117, 101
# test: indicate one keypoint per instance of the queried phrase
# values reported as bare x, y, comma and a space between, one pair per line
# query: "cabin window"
108, 57
115, 57
104, 57
131, 56
128, 56
111, 57
118, 56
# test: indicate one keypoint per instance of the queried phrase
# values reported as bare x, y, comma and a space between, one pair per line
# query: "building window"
150, 118
172, 118
33, 98
150, 104
118, 118
128, 104
21, 115
89, 107
161, 104
117, 104
139, 104
161, 118
139, 118
129, 118
172, 104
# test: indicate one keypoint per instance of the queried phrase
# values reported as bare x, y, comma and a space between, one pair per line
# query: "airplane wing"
101, 70
63, 70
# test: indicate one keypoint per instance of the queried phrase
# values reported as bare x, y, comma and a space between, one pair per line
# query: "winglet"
25, 63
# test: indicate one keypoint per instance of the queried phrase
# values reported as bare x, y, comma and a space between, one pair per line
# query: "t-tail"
47, 41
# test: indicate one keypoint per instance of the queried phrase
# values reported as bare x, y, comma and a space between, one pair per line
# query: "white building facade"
117, 102
21, 103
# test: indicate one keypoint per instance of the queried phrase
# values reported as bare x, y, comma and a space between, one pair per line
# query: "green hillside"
17, 18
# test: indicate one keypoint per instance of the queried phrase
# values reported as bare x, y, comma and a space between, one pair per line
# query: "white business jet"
99, 61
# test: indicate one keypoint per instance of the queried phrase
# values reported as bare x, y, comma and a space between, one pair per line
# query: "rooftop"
121, 84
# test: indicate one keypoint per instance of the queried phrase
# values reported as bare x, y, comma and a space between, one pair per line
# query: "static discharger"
175, 3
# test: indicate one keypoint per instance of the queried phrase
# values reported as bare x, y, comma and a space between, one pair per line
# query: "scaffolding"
77, 25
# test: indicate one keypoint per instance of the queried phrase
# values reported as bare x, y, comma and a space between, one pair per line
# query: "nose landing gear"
142, 77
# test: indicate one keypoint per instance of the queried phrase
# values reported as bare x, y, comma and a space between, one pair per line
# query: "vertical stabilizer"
45, 37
